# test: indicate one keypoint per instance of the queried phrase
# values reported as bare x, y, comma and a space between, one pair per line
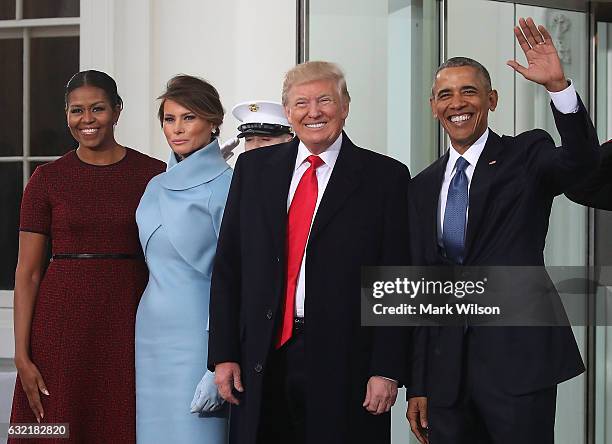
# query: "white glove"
228, 147
206, 397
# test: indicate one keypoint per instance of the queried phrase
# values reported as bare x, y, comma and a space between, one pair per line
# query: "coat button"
258, 368
269, 314
277, 259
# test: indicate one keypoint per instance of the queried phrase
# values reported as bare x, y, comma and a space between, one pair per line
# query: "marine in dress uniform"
263, 124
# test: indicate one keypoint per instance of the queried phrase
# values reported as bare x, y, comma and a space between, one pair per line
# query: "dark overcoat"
361, 220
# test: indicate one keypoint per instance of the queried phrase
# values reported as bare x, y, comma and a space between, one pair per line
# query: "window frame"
27, 29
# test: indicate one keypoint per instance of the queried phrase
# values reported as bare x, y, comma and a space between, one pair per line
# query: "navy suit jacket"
596, 190
511, 194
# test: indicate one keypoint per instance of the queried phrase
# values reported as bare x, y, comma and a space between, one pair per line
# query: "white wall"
242, 47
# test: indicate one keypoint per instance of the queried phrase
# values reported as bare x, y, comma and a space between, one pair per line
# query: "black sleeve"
225, 291
389, 354
419, 342
578, 155
596, 190
418, 336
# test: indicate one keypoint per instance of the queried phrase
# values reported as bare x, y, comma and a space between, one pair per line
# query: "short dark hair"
97, 79
195, 94
456, 62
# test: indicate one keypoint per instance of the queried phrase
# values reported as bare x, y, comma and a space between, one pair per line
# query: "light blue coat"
178, 218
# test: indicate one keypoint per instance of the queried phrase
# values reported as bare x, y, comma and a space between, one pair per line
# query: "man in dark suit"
487, 203
596, 190
301, 220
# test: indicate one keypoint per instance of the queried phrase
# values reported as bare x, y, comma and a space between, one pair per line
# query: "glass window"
603, 240
11, 111
37, 61
388, 51
11, 185
49, 134
604, 81
496, 45
50, 8
7, 9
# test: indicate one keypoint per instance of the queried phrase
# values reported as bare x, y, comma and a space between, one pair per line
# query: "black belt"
298, 324
96, 256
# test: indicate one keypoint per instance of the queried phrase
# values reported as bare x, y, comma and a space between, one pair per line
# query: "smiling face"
185, 131
461, 101
91, 118
316, 112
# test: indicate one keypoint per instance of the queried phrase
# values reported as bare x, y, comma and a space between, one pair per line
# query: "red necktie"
299, 219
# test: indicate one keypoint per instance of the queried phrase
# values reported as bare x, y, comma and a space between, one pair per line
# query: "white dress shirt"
565, 101
324, 172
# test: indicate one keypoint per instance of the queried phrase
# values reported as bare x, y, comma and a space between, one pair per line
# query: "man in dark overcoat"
301, 220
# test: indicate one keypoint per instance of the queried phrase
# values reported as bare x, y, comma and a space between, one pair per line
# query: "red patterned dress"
82, 336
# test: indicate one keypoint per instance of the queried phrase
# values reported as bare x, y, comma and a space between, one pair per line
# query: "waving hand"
543, 62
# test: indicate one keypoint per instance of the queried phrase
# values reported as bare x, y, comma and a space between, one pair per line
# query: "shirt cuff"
566, 101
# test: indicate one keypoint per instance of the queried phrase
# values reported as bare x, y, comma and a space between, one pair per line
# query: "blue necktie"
453, 233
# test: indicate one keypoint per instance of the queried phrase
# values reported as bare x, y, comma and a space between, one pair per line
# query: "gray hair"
456, 62
313, 71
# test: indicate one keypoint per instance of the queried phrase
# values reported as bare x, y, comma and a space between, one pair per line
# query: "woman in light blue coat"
178, 220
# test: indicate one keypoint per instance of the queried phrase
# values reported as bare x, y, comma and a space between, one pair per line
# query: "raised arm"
578, 155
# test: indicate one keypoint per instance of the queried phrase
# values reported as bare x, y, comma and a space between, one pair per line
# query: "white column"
97, 29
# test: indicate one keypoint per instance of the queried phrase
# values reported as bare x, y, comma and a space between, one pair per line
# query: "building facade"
389, 50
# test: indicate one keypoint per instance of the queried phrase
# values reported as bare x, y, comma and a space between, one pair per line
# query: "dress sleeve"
35, 213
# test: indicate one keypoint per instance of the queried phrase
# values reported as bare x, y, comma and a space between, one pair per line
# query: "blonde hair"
311, 72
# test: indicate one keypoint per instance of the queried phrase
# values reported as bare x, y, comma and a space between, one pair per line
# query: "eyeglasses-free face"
184, 130
91, 118
461, 101
316, 112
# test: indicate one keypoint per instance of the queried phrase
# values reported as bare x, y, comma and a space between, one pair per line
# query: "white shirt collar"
329, 156
472, 154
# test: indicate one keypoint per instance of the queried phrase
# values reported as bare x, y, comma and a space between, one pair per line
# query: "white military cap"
260, 117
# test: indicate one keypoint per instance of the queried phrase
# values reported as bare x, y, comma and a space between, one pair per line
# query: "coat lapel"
343, 181
486, 168
431, 202
276, 179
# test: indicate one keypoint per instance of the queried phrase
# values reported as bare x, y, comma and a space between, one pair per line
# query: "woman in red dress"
74, 323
